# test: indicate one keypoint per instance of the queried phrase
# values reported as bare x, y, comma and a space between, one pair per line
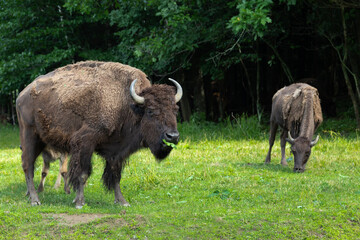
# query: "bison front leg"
80, 166
282, 145
119, 198
273, 128
80, 199
111, 178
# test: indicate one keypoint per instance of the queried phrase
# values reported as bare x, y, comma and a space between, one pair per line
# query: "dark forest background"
229, 56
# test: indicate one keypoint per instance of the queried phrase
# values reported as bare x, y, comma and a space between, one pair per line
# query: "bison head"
301, 148
157, 106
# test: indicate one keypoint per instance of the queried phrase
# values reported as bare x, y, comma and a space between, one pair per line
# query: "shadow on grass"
269, 167
51, 199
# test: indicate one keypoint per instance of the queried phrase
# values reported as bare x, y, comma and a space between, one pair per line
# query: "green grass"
214, 185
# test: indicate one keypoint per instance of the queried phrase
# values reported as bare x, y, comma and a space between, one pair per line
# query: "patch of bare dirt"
70, 220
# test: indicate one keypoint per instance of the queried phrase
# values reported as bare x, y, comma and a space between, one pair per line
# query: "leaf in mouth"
169, 144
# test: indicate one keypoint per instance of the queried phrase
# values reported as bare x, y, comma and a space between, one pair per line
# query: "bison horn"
137, 98
179, 91
290, 138
313, 143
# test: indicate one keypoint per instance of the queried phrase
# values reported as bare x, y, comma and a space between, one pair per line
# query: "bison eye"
149, 112
152, 112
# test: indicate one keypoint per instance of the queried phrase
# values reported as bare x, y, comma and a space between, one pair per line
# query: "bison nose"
172, 137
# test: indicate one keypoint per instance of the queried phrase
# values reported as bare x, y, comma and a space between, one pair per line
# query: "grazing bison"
49, 155
102, 107
296, 109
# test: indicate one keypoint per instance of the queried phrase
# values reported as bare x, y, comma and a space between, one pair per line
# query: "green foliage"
253, 17
33, 40
214, 185
39, 36
169, 144
166, 37
97, 10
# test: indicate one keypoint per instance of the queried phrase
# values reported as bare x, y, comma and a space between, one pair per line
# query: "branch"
177, 69
336, 3
220, 54
341, 58
283, 64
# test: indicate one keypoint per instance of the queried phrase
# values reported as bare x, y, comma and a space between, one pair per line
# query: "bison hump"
295, 101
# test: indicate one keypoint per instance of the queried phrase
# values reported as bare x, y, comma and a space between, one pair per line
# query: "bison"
296, 109
104, 107
49, 155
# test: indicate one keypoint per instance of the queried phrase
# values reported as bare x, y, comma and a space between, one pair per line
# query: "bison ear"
138, 109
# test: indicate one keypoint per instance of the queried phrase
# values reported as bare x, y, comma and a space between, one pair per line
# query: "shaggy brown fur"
87, 107
294, 103
296, 109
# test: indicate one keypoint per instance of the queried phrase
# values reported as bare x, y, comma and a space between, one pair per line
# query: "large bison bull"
102, 107
296, 109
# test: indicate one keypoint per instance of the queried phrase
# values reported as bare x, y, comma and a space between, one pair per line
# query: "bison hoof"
122, 203
34, 199
79, 202
79, 206
35, 203
284, 163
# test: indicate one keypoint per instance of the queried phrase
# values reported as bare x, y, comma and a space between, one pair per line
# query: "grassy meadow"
214, 185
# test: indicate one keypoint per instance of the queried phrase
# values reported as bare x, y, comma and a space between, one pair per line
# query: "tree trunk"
185, 108
199, 93
355, 73
259, 110
247, 76
345, 71
354, 57
12, 105
351, 94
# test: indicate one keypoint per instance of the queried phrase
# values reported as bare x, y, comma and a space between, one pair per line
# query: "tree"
33, 39
343, 42
230, 56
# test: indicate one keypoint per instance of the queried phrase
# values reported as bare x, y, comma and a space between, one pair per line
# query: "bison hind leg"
32, 147
44, 173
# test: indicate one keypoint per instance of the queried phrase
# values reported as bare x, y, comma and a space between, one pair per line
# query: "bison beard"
108, 108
